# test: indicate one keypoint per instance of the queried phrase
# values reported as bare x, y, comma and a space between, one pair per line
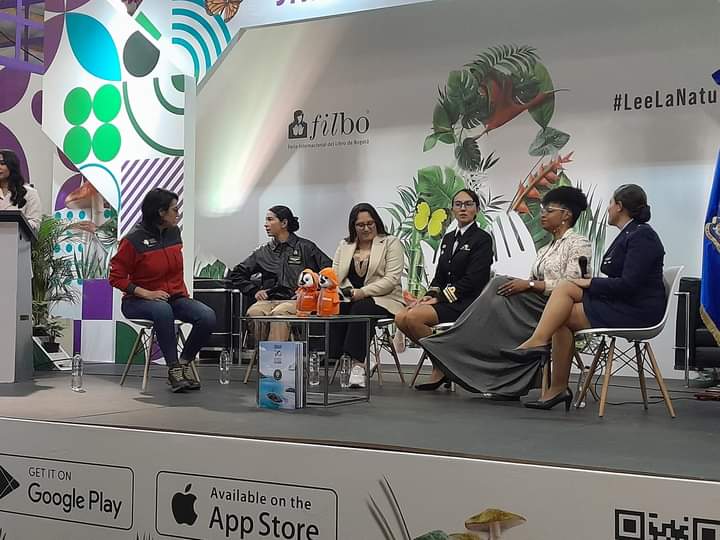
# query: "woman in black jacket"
462, 272
631, 296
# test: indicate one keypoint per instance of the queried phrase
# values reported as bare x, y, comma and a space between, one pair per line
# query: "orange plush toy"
307, 293
329, 299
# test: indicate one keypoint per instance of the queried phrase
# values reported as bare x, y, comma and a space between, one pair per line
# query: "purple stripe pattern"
140, 176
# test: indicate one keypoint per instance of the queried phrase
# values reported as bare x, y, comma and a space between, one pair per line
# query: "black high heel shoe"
525, 355
433, 385
547, 404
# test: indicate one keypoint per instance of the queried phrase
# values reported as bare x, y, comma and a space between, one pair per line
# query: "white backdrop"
388, 66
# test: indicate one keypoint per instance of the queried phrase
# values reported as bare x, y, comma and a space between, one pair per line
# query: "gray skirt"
469, 353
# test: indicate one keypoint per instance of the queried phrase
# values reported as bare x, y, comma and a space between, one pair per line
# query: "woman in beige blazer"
370, 263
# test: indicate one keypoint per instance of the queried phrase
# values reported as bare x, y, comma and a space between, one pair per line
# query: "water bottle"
224, 365
76, 384
344, 371
314, 369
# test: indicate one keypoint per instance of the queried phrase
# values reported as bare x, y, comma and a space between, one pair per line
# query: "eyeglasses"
549, 209
369, 225
463, 204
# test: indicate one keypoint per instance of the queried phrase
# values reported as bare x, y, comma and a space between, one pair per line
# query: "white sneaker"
357, 377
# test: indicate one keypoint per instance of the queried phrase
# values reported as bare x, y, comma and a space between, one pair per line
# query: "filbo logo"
327, 125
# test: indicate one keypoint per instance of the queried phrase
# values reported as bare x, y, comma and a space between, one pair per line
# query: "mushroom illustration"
494, 522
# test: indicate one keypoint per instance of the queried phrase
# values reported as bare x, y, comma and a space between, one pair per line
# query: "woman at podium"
148, 268
15, 194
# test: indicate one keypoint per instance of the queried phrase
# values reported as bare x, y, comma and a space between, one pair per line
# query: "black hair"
570, 198
634, 201
16, 182
471, 194
157, 199
297, 114
283, 213
370, 209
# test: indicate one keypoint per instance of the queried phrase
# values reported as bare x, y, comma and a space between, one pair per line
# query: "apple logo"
183, 507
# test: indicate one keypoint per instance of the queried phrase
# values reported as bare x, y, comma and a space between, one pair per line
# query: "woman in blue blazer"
631, 296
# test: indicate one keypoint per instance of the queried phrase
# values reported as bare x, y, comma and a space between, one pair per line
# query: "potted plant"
52, 276
53, 328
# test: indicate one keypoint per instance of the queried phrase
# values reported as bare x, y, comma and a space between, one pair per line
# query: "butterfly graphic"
434, 221
222, 8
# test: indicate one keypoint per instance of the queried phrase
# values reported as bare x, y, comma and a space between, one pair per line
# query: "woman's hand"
428, 301
151, 295
261, 295
513, 287
583, 283
358, 294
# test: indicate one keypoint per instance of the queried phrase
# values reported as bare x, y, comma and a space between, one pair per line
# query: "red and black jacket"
149, 258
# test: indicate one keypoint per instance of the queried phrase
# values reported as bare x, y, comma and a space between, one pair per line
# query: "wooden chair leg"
641, 374
130, 357
251, 364
420, 363
148, 359
587, 383
608, 375
393, 352
660, 380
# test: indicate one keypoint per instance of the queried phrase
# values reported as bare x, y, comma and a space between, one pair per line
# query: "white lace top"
560, 260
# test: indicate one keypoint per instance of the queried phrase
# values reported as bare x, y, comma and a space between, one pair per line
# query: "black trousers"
351, 338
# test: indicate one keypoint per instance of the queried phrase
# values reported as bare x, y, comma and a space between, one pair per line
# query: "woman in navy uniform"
631, 296
462, 272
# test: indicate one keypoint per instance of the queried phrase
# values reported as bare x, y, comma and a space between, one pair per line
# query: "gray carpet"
627, 439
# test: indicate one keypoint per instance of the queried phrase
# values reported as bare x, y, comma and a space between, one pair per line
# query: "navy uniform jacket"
633, 293
461, 276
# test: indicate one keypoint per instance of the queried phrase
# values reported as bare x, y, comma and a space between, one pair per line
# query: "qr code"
636, 525
706, 529
629, 525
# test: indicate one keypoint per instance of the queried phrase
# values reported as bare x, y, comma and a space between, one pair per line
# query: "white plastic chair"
437, 329
639, 342
145, 339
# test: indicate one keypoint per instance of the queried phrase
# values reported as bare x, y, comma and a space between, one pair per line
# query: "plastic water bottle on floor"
224, 364
314, 369
76, 384
344, 371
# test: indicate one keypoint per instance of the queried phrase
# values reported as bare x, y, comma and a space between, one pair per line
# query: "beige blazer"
383, 278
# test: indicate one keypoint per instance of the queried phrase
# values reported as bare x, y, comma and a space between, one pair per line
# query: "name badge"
464, 247
295, 258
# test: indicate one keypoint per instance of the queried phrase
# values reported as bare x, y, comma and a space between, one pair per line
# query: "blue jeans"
163, 315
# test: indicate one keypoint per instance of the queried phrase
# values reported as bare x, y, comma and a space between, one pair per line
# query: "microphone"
583, 262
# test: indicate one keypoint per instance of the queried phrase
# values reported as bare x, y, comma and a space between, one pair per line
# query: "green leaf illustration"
543, 113
441, 120
548, 141
468, 154
433, 535
462, 89
430, 142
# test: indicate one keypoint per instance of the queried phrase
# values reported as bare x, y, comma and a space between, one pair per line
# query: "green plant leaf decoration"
436, 186
441, 120
468, 154
543, 113
433, 535
506, 59
464, 536
548, 141
462, 89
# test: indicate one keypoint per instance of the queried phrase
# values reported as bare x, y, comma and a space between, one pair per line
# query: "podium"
16, 353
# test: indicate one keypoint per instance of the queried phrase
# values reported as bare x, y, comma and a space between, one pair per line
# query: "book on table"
280, 385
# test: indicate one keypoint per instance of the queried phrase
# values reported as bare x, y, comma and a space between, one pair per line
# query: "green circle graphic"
106, 104
106, 142
77, 106
77, 144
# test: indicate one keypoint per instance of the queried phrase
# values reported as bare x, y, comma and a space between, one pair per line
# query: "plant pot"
51, 346
39, 331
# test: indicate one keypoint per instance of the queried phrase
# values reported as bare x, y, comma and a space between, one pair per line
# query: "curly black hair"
568, 197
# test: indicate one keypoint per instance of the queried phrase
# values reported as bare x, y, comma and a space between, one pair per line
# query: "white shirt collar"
465, 228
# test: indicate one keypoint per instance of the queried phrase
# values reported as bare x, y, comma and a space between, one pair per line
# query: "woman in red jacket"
148, 268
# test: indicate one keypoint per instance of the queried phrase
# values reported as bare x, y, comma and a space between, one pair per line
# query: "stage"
628, 439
